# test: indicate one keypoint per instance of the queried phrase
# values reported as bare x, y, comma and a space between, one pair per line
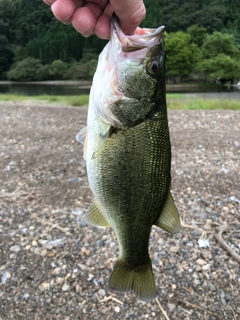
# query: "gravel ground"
53, 266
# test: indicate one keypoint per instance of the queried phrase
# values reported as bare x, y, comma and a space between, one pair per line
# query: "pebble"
44, 252
56, 271
90, 277
201, 262
197, 282
82, 266
117, 309
6, 275
44, 286
171, 306
38, 251
15, 248
65, 287
206, 267
26, 296
102, 292
174, 287
60, 280
34, 243
175, 249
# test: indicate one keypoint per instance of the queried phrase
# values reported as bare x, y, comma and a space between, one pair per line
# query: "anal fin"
95, 217
169, 218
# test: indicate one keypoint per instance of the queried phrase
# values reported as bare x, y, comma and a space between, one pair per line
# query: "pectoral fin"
103, 137
169, 218
82, 137
95, 217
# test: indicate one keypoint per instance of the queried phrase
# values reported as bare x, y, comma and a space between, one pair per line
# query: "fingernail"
47, 2
67, 22
87, 33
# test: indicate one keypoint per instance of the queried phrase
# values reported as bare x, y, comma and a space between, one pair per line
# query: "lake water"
59, 88
72, 88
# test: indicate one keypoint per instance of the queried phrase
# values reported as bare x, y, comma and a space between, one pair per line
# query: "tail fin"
139, 280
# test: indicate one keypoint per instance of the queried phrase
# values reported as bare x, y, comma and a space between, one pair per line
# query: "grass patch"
176, 96
81, 100
175, 101
203, 104
214, 104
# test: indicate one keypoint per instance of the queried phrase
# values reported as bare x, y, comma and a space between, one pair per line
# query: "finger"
84, 21
130, 14
49, 2
102, 28
64, 9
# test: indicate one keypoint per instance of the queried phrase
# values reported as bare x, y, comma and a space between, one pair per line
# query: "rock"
65, 287
60, 280
15, 248
6, 275
206, 267
26, 296
56, 271
102, 292
171, 306
44, 286
34, 243
90, 277
117, 309
82, 266
174, 287
201, 262
44, 252
175, 249
203, 243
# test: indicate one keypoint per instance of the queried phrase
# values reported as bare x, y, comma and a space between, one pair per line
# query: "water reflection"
72, 88
50, 88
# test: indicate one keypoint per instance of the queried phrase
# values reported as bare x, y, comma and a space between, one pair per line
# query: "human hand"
94, 16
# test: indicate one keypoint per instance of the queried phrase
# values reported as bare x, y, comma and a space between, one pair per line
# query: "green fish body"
128, 153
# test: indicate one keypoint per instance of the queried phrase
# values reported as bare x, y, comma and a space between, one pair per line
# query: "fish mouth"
143, 38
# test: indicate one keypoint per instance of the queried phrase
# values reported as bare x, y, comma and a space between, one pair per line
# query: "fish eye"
153, 67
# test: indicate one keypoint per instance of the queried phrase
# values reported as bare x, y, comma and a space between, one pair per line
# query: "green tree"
57, 70
222, 66
43, 73
25, 70
6, 55
181, 55
220, 57
81, 71
180, 14
219, 43
197, 34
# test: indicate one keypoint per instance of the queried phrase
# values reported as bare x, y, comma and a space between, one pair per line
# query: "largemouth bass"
128, 153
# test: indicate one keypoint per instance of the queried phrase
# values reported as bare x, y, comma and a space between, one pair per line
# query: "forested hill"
28, 28
178, 15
